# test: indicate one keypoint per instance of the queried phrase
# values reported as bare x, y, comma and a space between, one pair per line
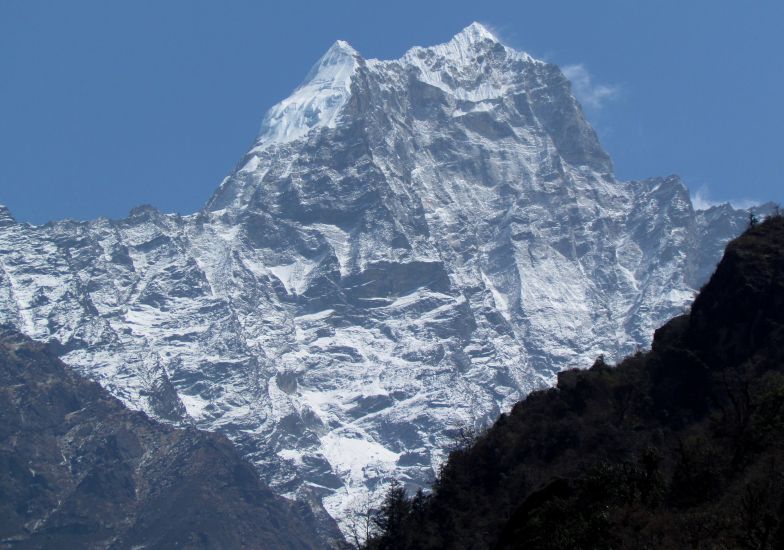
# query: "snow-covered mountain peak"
499, 91
475, 33
318, 100
474, 65
471, 45
334, 66
456, 66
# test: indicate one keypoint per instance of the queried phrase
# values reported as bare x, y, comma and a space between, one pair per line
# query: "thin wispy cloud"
702, 200
591, 94
502, 33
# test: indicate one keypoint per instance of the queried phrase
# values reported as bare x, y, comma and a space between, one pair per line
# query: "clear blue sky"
105, 105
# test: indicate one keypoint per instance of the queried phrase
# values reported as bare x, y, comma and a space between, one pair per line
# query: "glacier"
408, 248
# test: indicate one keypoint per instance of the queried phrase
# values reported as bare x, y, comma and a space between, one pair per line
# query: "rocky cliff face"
409, 247
80, 470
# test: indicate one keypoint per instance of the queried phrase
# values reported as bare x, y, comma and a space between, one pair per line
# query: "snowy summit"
317, 101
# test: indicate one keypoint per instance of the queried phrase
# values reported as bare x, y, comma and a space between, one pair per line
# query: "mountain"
408, 248
80, 470
680, 447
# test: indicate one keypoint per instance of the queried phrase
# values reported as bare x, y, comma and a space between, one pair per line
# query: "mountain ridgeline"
679, 447
409, 246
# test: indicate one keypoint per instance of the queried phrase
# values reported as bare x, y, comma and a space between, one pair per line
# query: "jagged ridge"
409, 247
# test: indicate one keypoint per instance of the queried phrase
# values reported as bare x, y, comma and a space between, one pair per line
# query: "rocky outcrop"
80, 470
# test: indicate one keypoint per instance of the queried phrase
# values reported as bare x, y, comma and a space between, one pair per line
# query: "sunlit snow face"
317, 101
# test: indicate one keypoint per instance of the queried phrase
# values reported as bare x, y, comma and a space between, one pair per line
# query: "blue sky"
105, 105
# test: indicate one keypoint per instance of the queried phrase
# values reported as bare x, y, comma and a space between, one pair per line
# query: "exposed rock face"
409, 247
80, 470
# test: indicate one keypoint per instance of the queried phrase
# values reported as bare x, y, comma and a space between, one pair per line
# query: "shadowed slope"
79, 470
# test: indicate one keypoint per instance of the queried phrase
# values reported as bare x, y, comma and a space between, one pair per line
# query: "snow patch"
194, 405
352, 454
294, 276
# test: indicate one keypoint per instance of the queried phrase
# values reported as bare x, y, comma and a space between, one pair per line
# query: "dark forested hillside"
79, 470
680, 447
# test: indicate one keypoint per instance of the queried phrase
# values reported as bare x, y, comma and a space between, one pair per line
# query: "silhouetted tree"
753, 220
390, 519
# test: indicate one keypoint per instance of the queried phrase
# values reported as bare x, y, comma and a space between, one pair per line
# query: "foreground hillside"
79, 470
681, 447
